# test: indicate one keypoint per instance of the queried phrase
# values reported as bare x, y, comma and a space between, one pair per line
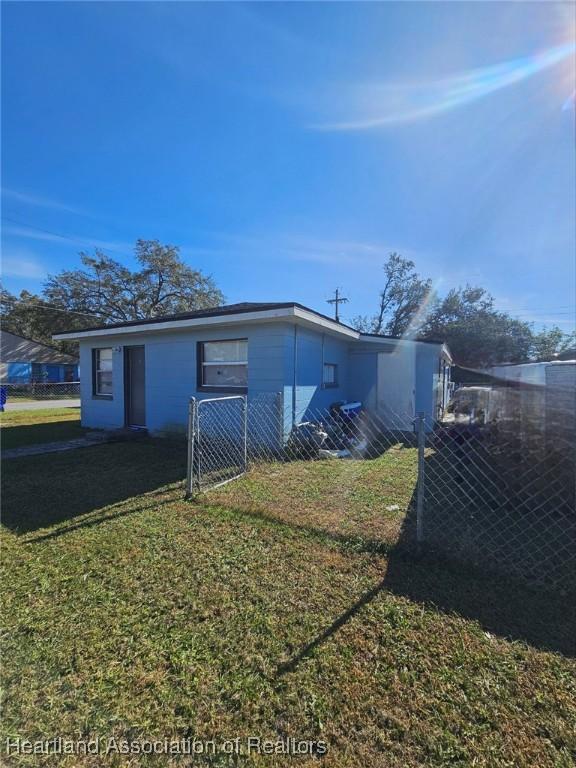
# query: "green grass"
130, 612
365, 501
45, 425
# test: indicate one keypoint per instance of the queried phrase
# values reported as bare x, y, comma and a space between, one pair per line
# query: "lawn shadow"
511, 611
326, 634
501, 605
504, 606
99, 517
20, 435
350, 541
44, 490
462, 568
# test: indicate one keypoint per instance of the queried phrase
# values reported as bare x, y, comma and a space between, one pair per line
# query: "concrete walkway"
95, 438
35, 405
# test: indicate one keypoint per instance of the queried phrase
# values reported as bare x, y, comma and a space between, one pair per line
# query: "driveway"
40, 404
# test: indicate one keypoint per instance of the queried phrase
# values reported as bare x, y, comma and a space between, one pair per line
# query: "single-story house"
24, 361
142, 373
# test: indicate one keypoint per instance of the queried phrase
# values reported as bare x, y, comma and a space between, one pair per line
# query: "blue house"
142, 373
25, 361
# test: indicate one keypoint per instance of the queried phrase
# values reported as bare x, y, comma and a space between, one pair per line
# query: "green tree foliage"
465, 318
551, 342
105, 291
403, 294
30, 316
477, 334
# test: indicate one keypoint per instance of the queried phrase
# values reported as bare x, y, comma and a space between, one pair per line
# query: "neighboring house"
142, 373
24, 361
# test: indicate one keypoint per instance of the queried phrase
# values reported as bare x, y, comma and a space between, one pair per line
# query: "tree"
110, 292
465, 318
550, 342
30, 316
106, 291
401, 298
478, 335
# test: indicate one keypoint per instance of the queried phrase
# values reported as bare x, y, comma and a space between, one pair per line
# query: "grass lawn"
130, 612
366, 501
19, 428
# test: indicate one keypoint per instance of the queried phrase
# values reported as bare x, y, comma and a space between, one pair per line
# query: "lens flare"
397, 103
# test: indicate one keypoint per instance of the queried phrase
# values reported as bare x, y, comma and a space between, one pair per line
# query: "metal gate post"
421, 429
191, 447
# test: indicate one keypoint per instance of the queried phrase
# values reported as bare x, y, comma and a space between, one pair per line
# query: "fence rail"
481, 495
64, 390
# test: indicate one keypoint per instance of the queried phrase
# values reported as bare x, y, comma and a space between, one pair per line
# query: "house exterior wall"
306, 352
16, 373
101, 413
397, 380
363, 375
427, 381
397, 386
171, 372
285, 369
28, 373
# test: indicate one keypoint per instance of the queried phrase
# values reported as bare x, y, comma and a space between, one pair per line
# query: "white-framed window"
223, 365
102, 371
330, 375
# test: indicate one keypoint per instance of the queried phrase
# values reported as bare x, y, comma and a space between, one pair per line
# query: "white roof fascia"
387, 340
325, 323
448, 354
285, 313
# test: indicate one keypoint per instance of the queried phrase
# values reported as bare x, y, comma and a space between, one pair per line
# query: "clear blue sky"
288, 148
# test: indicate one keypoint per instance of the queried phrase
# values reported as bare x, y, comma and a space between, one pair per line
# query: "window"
223, 365
37, 373
330, 375
102, 372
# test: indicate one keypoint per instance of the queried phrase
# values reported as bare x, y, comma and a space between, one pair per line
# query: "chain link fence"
483, 495
65, 390
217, 442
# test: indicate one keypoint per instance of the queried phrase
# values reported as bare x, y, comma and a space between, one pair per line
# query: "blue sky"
289, 147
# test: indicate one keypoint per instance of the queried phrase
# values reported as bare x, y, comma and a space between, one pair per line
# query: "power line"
530, 314
540, 311
51, 308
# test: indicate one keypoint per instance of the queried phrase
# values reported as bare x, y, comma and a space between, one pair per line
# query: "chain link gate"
497, 496
217, 442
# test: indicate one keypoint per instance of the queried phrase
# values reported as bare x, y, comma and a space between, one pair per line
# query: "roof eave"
290, 313
372, 338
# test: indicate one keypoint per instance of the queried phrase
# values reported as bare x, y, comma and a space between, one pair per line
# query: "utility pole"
337, 300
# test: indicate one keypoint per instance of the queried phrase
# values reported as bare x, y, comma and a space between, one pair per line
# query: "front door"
135, 386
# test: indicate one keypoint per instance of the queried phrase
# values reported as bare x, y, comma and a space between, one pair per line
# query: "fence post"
280, 414
421, 430
191, 446
245, 429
